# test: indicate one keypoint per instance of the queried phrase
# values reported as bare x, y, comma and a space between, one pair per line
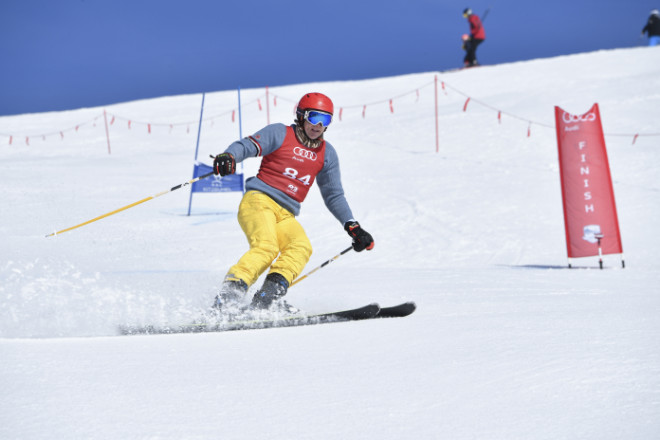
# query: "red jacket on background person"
476, 29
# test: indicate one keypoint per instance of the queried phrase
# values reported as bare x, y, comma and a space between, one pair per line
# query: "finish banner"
590, 216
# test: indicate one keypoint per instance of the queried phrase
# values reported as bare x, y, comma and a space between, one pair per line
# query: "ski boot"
271, 293
231, 293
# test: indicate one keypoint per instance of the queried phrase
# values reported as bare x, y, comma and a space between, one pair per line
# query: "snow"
507, 343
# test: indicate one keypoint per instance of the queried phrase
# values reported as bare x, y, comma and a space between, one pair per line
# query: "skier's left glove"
224, 164
361, 239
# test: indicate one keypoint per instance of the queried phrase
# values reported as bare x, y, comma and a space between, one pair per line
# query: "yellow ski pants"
271, 231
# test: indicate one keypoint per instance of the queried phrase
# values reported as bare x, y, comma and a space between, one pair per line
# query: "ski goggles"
316, 117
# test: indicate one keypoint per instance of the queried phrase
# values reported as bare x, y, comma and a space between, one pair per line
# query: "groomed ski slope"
507, 343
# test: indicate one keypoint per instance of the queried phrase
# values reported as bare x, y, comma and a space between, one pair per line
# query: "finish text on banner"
590, 216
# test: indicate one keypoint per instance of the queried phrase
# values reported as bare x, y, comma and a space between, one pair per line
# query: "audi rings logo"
569, 118
304, 153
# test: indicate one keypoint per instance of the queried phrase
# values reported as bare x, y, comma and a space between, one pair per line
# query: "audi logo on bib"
307, 154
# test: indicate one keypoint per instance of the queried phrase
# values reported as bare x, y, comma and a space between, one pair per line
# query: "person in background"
294, 157
477, 36
465, 39
652, 28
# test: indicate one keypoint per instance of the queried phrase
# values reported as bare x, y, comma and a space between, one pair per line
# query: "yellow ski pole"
322, 265
181, 185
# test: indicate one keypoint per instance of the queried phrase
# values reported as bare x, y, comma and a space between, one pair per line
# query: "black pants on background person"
471, 52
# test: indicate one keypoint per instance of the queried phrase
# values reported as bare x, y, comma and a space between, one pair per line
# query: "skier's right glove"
361, 239
224, 164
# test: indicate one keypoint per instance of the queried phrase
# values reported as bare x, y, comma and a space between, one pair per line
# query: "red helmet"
315, 101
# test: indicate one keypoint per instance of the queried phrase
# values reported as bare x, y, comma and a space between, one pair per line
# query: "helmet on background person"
467, 12
655, 12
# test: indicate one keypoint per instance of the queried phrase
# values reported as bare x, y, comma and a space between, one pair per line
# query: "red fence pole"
267, 108
107, 133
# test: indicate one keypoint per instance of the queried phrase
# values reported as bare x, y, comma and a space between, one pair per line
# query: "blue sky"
67, 54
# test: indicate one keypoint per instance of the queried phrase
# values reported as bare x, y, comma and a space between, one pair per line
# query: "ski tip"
398, 311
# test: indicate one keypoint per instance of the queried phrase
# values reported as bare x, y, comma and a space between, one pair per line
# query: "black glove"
224, 164
361, 239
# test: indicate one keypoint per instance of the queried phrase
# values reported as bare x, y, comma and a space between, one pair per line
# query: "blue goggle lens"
315, 117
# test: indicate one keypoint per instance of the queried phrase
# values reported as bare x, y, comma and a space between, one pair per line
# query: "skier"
477, 36
293, 157
652, 28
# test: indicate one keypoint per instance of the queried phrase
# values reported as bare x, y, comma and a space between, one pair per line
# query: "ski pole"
181, 185
322, 265
484, 15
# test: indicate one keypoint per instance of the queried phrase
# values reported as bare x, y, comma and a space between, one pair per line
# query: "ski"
370, 311
250, 323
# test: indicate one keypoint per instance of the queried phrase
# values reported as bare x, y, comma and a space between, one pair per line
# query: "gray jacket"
271, 138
